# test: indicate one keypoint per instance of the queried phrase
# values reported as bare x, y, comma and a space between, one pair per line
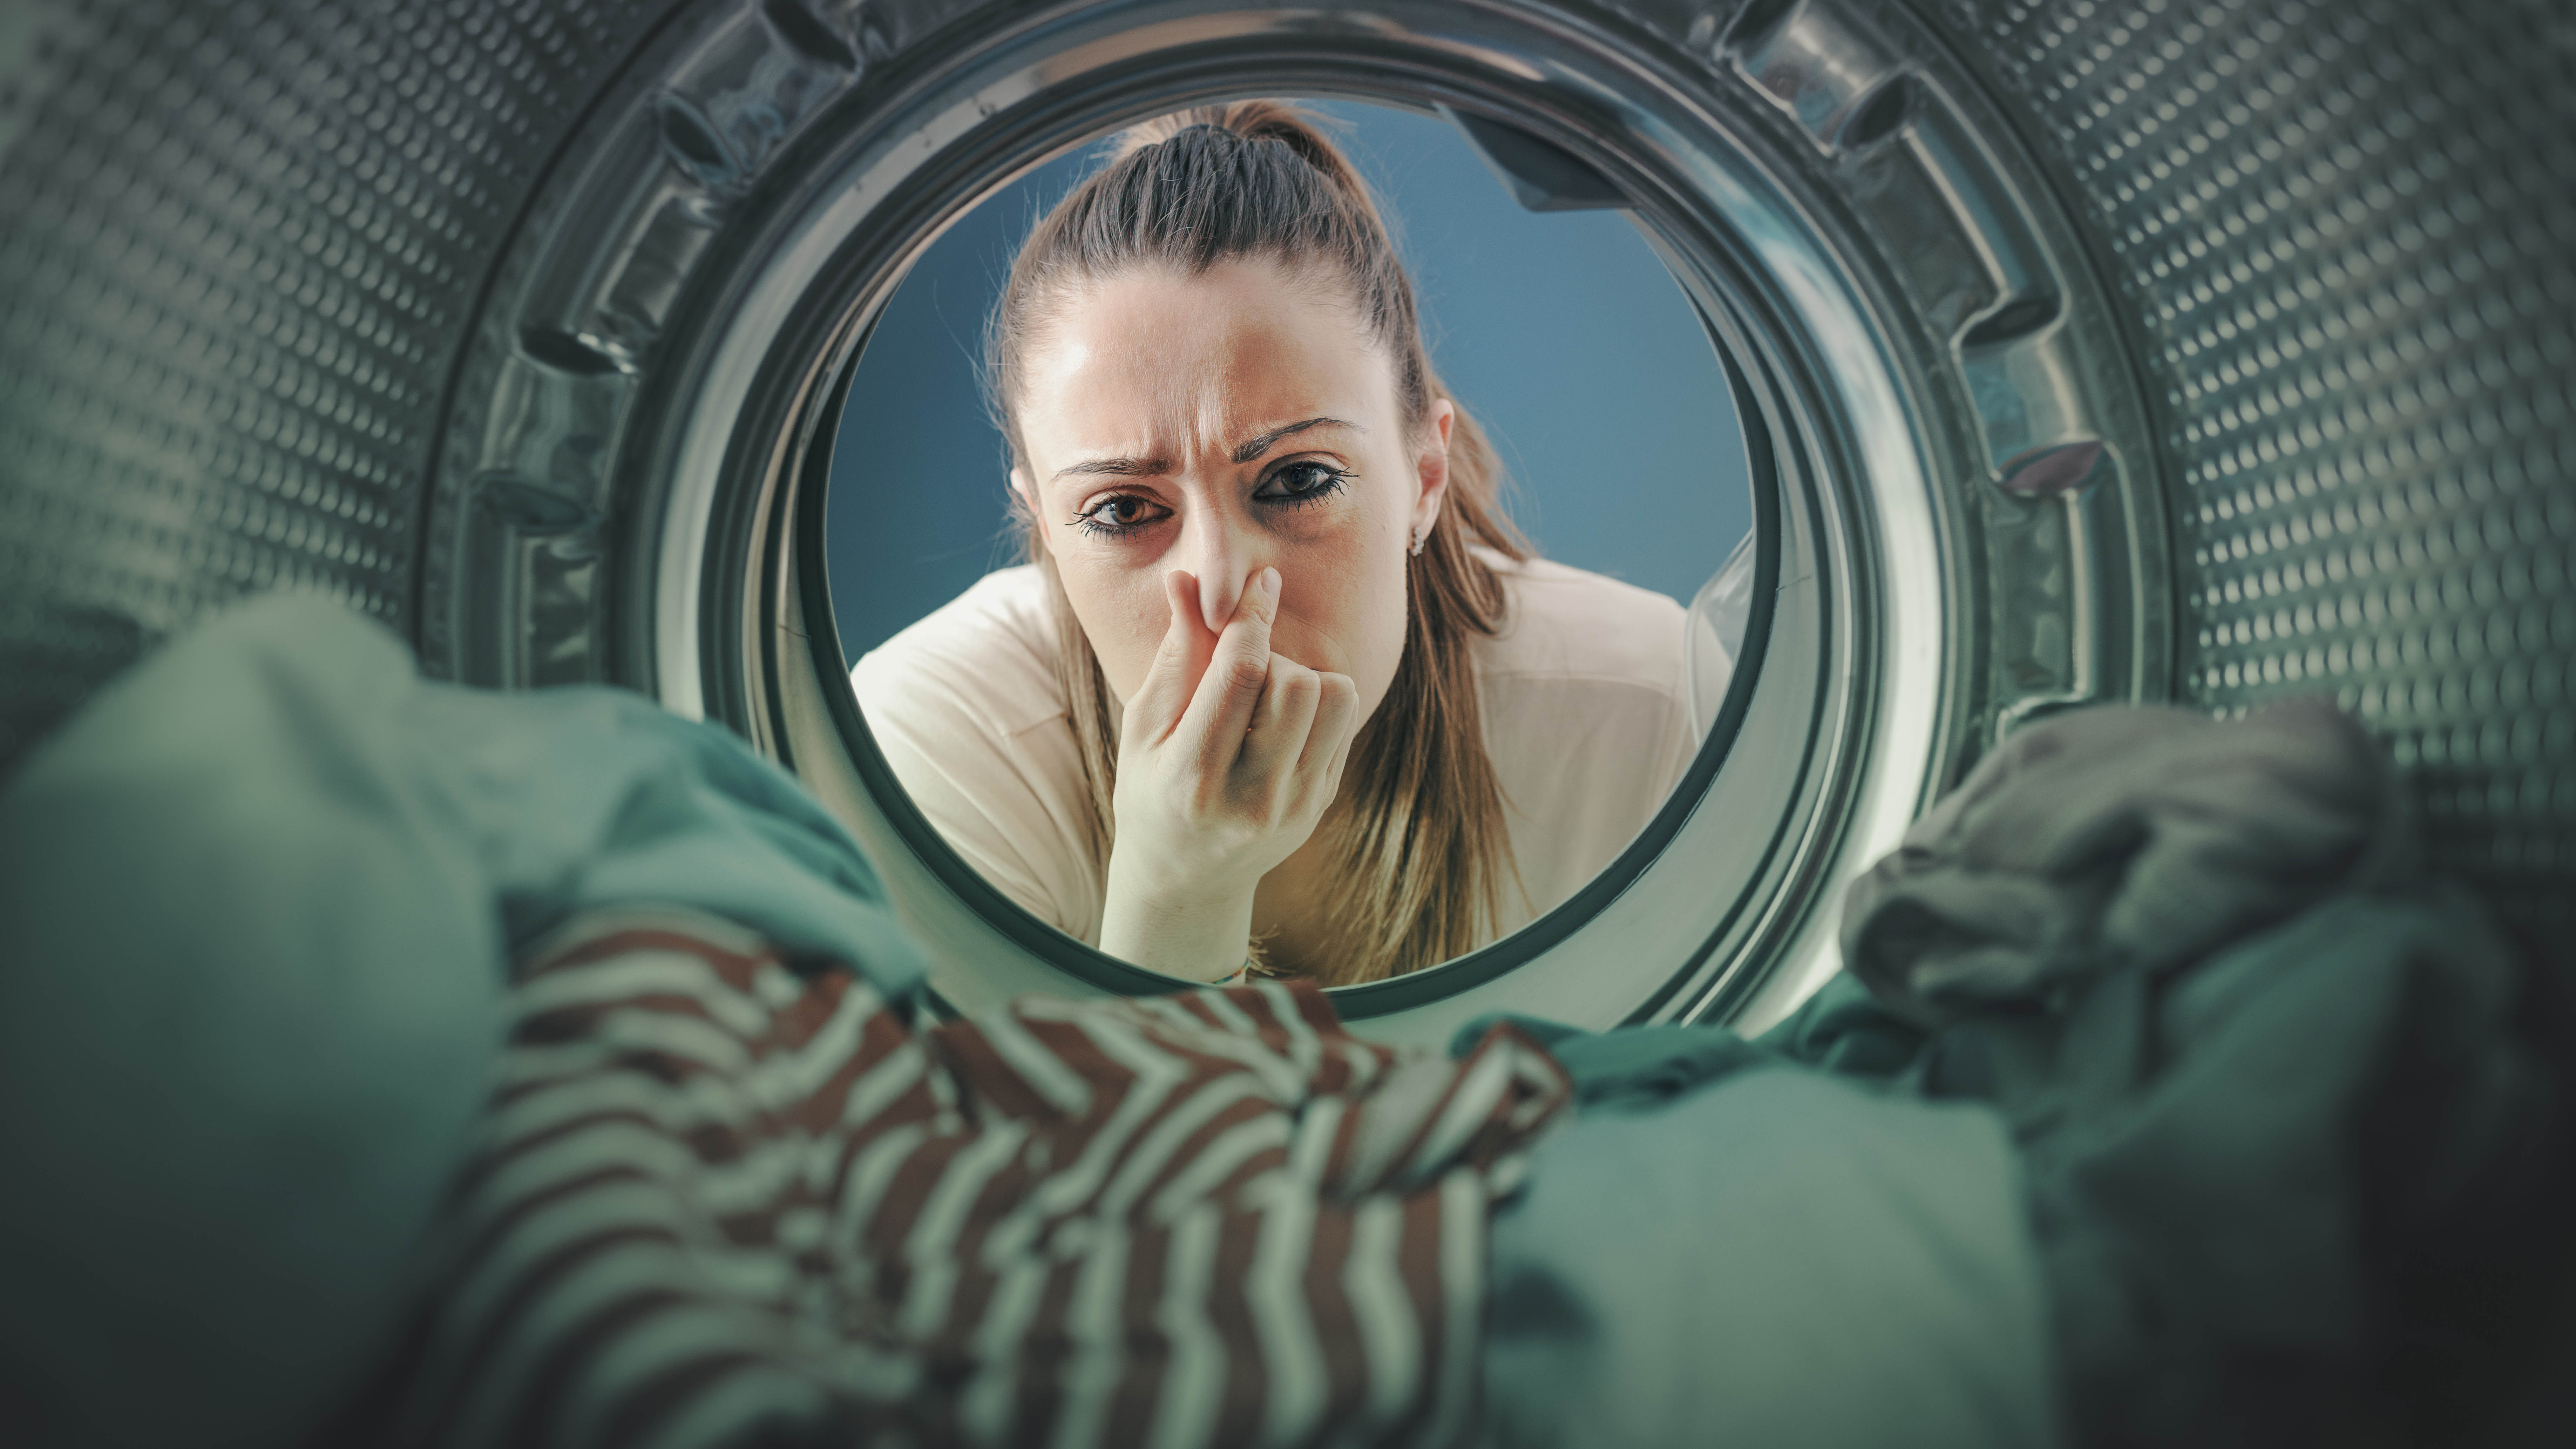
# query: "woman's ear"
1431, 462
1024, 494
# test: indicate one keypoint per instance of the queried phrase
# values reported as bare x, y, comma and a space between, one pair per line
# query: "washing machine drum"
2087, 350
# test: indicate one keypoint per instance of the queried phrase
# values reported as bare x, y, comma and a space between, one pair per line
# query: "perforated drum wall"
2351, 233
239, 244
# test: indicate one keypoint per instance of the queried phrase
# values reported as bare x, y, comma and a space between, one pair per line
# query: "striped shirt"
719, 1201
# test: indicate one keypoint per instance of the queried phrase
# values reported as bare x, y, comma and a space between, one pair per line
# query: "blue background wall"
1560, 332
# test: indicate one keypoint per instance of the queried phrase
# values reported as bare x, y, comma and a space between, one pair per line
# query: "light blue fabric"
257, 900
1726, 1247
1777, 1258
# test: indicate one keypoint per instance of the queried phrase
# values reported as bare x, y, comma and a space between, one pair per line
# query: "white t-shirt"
1586, 720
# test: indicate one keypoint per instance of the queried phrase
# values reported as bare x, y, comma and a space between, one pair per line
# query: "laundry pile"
389, 1063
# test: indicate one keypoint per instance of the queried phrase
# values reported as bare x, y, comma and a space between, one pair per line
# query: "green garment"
2236, 1171
2260, 1071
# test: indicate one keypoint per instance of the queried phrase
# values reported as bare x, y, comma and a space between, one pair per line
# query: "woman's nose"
1223, 559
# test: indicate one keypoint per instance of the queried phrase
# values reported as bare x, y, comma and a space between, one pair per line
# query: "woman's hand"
1227, 757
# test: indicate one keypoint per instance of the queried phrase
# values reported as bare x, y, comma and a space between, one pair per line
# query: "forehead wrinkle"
1155, 402
1175, 394
1214, 414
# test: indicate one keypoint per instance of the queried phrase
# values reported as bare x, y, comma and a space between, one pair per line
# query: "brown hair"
1420, 847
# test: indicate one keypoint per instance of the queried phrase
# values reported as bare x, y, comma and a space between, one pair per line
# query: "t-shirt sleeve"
1001, 787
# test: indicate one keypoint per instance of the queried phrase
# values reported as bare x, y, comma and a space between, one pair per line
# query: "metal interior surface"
2210, 351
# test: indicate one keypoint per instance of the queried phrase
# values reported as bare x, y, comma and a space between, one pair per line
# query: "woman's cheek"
1121, 610
1374, 672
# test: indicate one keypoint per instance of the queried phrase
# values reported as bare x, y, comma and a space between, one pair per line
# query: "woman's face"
1220, 424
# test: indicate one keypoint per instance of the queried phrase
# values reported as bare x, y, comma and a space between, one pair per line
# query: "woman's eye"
1120, 513
1304, 482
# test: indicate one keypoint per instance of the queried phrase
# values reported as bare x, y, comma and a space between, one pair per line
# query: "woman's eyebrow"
1116, 467
1247, 451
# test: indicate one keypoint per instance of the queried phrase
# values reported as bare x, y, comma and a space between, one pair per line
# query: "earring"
1416, 549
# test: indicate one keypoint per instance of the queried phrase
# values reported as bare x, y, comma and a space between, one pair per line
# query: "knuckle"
1245, 673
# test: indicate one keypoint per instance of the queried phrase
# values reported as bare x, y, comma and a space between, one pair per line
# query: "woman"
1281, 684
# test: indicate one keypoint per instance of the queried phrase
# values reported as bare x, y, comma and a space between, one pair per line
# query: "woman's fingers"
1261, 726
1282, 722
1221, 710
1328, 741
1179, 662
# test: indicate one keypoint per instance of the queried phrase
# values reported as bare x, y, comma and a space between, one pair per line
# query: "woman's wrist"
1199, 938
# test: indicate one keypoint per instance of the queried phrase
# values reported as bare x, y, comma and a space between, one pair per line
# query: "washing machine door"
2213, 353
